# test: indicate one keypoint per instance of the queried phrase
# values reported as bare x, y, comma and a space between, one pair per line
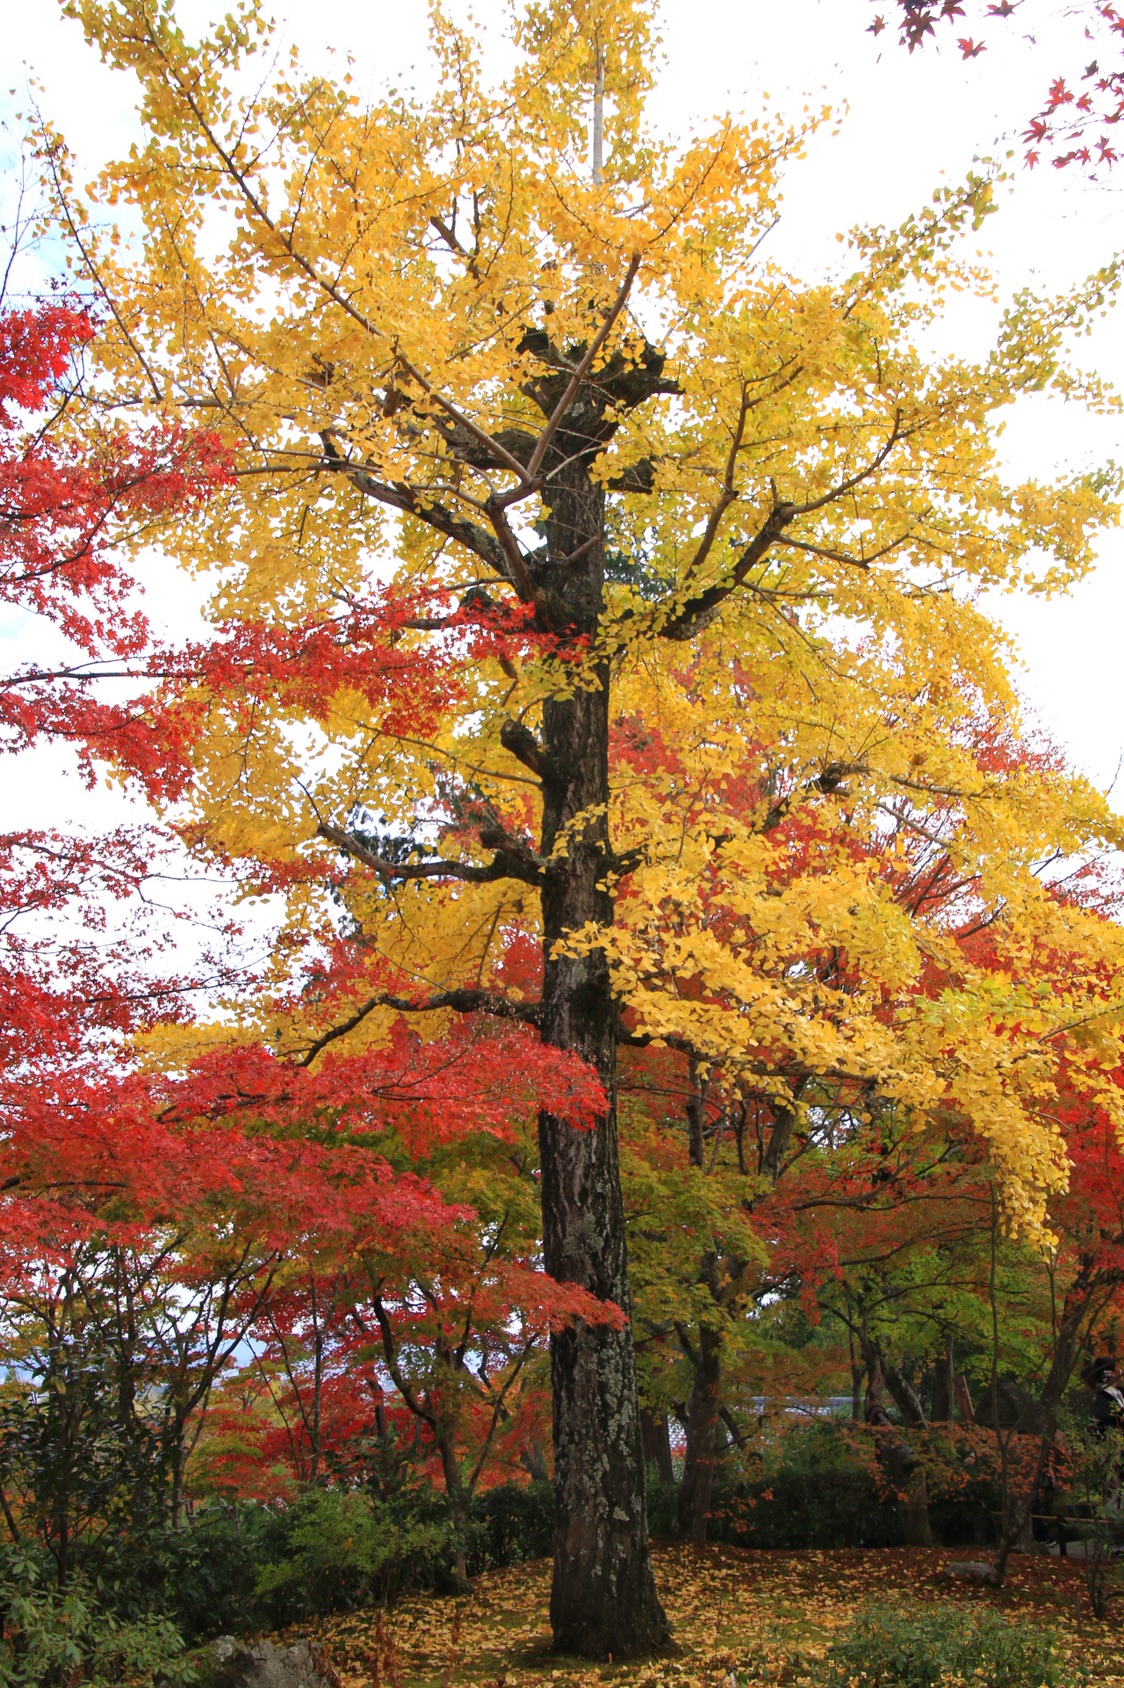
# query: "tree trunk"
904, 1394
457, 1501
963, 1399
533, 1460
944, 1387
656, 1439
603, 1598
702, 1430
896, 1456
914, 1510
1018, 1510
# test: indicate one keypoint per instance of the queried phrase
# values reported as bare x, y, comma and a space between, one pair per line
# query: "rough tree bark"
603, 1598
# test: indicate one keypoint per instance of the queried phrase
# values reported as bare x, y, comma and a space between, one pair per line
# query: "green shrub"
946, 1647
662, 1498
796, 1510
510, 1523
204, 1575
818, 1485
58, 1637
332, 1550
263, 1567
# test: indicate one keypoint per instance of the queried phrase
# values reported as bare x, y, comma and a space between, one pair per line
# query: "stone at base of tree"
968, 1570
262, 1664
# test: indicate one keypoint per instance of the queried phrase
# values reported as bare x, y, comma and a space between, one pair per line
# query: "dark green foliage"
510, 1523
800, 1510
662, 1500
85, 1477
816, 1492
820, 1486
53, 1638
934, 1646
330, 1550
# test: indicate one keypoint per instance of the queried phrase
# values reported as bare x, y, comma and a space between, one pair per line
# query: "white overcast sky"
905, 124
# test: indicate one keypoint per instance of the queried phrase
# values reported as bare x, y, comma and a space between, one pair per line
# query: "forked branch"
459, 1001
700, 610
582, 370
512, 860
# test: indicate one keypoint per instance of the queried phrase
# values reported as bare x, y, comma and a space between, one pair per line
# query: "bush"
204, 1575
818, 1484
57, 1637
799, 1510
263, 1567
816, 1491
329, 1550
510, 1523
662, 1498
946, 1647
332, 1550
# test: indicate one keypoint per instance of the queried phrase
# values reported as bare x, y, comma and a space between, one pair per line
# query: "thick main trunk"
457, 1501
603, 1598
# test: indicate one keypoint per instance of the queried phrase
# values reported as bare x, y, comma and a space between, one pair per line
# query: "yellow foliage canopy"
370, 303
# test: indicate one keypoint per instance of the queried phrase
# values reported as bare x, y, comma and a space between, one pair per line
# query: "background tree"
759, 1167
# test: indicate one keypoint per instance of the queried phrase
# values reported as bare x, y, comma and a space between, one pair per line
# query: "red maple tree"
1078, 118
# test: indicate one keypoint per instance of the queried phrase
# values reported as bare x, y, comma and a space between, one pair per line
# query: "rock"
262, 1664
971, 1570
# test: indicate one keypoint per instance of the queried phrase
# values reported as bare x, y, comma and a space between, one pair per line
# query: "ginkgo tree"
532, 440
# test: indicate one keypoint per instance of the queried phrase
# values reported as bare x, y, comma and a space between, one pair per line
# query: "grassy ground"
766, 1617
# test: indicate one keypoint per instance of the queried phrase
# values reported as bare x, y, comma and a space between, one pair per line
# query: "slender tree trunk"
457, 1501
704, 1402
904, 1394
533, 1460
697, 1486
656, 1438
603, 1598
1018, 1508
944, 1387
963, 1399
898, 1459
916, 1526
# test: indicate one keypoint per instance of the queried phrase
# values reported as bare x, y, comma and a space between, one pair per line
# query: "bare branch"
501, 456
399, 496
516, 567
459, 1001
698, 612
519, 741
728, 493
454, 245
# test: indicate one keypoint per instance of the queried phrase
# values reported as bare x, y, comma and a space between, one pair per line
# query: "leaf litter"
740, 1618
